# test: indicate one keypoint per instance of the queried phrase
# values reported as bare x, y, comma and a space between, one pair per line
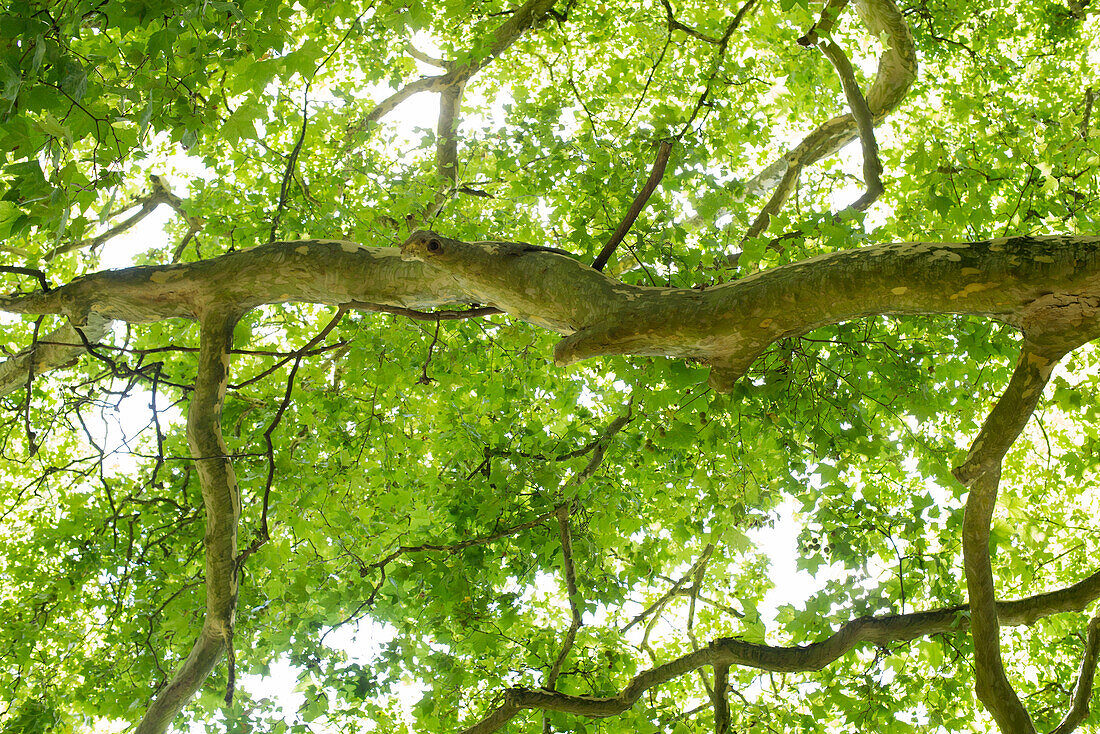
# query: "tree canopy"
504, 419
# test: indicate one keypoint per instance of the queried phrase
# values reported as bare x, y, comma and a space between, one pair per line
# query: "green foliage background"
853, 428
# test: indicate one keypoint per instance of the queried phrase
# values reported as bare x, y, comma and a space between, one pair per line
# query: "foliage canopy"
440, 527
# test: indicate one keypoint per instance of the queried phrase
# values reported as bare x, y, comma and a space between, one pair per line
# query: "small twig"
157, 366
676, 25
711, 602
424, 379
655, 176
449, 548
291, 161
38, 274
263, 534
604, 441
1090, 97
703, 557
723, 45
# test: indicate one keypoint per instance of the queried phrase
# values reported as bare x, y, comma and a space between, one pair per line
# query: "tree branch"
59, 348
604, 441
884, 630
263, 533
519, 22
1046, 285
221, 498
419, 55
861, 118
896, 71
720, 699
865, 124
1082, 692
676, 25
700, 561
291, 162
570, 572
460, 545
160, 194
655, 175
981, 474
446, 315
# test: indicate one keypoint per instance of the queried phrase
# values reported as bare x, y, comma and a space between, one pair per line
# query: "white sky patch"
120, 251
128, 428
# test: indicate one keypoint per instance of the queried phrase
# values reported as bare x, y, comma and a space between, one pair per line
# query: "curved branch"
159, 195
519, 22
896, 72
1082, 692
221, 498
865, 124
981, 473
569, 570
882, 630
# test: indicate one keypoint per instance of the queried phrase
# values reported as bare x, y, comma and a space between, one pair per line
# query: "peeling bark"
1047, 284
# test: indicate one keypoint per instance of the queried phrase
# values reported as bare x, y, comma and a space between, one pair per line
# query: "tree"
542, 476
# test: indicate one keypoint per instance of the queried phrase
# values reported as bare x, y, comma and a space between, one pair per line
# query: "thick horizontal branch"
884, 630
314, 271
1039, 284
1049, 287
